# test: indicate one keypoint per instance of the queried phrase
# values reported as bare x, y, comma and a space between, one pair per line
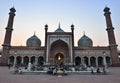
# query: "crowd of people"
57, 71
53, 70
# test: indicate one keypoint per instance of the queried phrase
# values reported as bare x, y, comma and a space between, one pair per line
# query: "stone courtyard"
112, 77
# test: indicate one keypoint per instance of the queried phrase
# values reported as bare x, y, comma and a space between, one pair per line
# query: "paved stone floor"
112, 77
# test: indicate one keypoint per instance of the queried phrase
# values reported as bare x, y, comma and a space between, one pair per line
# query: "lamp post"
104, 60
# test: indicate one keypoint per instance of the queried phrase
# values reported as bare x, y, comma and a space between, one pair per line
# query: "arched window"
40, 61
100, 61
86, 60
32, 59
11, 60
77, 61
93, 61
18, 60
26, 60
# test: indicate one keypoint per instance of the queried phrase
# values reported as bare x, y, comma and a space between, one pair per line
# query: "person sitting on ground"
98, 70
20, 71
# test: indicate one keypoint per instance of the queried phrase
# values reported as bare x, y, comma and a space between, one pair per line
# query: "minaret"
46, 28
111, 36
7, 40
110, 28
73, 53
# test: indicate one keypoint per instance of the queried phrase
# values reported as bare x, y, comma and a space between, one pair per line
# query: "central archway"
59, 49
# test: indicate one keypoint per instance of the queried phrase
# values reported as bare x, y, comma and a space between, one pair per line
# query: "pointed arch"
59, 46
86, 60
32, 60
77, 61
100, 61
18, 60
26, 60
41, 60
93, 61
11, 60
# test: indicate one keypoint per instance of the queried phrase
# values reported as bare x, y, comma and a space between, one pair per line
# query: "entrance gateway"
59, 49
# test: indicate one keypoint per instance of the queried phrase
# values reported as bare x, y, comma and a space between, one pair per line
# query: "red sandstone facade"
60, 45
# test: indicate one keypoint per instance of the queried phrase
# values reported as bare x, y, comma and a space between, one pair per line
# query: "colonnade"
19, 60
93, 61
89, 61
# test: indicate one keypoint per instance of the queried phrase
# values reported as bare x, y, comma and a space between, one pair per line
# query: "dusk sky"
86, 15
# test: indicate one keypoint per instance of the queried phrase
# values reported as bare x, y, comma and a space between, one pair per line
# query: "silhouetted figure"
104, 70
98, 71
54, 72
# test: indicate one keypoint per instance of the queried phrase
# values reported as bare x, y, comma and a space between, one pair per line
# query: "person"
92, 69
98, 70
49, 71
16, 69
33, 67
20, 71
104, 71
80, 68
54, 71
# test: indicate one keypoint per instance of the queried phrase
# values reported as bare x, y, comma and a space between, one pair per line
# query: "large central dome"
33, 41
85, 41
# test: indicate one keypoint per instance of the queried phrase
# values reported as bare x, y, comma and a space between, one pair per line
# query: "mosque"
59, 48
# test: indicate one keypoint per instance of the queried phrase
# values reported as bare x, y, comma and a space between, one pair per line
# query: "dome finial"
83, 32
59, 29
46, 26
72, 26
59, 25
34, 33
106, 9
12, 9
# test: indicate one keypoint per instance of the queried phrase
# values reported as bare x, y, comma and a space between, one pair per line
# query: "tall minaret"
7, 40
111, 36
46, 29
73, 52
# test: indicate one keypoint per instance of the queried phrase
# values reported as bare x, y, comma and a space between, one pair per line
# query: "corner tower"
7, 40
111, 37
